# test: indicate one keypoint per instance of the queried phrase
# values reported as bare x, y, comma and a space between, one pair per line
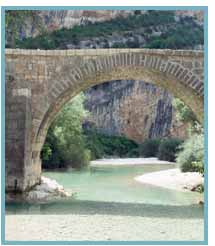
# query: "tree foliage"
150, 147
168, 149
65, 142
102, 145
191, 156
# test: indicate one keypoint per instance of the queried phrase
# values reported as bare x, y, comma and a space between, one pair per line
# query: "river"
109, 205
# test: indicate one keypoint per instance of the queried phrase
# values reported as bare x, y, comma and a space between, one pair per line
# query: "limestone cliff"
37, 22
134, 109
57, 19
140, 29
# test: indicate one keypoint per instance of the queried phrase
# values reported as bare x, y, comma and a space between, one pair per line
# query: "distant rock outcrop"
135, 109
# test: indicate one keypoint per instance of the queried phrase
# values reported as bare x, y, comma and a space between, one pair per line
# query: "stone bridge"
39, 83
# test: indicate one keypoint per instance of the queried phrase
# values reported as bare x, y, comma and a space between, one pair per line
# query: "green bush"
119, 45
191, 156
149, 148
102, 145
46, 152
178, 37
168, 149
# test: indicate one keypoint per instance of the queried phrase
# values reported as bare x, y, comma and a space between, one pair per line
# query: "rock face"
54, 20
135, 109
39, 22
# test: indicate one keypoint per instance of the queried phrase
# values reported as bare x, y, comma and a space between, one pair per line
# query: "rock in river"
47, 190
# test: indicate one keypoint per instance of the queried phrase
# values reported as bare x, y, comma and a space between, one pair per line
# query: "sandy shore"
130, 161
172, 179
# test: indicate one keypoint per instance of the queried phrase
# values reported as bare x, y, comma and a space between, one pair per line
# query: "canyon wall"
134, 109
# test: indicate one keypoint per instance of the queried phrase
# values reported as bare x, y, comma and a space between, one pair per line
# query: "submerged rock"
47, 190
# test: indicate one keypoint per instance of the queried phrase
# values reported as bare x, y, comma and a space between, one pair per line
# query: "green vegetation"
68, 145
102, 145
150, 147
177, 34
191, 156
187, 34
164, 149
65, 143
168, 149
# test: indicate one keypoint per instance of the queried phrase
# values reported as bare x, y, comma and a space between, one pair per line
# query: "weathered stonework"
39, 83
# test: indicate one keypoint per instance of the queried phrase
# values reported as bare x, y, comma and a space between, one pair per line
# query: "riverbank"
108, 221
130, 161
172, 179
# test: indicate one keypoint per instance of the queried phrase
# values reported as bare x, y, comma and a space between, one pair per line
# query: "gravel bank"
172, 179
130, 161
101, 227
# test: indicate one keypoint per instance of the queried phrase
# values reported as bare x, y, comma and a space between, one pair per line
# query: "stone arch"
69, 80
39, 83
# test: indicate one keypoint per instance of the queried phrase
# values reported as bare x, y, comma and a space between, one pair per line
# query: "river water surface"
106, 193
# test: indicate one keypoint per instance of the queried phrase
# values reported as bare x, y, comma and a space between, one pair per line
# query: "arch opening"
169, 82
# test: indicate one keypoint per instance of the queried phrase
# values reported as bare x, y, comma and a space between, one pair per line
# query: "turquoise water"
111, 189
109, 205
117, 184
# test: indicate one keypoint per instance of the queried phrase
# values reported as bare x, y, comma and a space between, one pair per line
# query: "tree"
191, 155
65, 137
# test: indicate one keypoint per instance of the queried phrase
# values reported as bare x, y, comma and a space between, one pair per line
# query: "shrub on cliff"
149, 148
168, 149
174, 34
191, 156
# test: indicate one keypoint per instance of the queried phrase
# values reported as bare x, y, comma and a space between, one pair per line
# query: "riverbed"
109, 205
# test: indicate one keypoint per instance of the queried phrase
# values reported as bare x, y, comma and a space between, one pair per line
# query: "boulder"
47, 190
